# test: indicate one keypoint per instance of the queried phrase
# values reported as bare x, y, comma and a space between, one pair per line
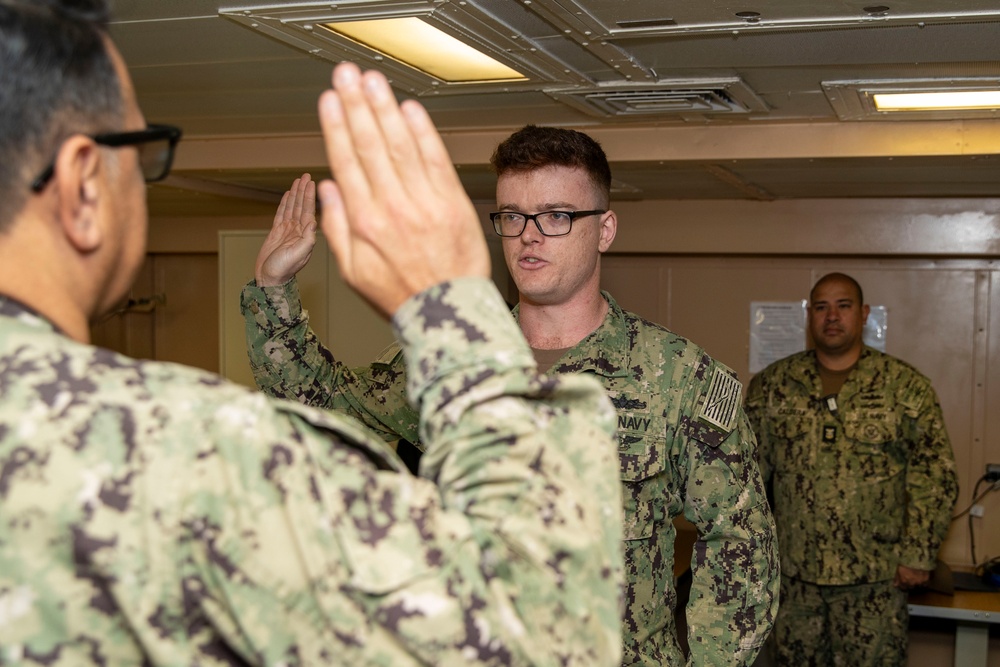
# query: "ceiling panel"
224, 81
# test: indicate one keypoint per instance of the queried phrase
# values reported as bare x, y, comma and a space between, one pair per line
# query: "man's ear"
77, 180
609, 227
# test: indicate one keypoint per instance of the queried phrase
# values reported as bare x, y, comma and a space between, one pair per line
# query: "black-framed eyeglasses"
549, 223
156, 146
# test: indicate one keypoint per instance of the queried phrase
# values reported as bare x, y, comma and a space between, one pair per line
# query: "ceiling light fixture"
425, 48
954, 98
965, 99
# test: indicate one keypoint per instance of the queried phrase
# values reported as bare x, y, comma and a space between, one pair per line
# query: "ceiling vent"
683, 97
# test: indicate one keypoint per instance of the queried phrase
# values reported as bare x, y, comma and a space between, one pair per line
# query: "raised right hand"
290, 242
396, 215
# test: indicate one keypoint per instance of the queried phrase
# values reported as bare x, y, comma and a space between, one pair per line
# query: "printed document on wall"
779, 328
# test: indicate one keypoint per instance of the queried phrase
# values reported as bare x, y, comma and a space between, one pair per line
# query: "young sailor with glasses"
685, 447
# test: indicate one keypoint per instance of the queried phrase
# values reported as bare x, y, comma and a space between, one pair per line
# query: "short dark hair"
533, 147
842, 277
56, 79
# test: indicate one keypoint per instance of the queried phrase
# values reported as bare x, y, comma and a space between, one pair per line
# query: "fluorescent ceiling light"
967, 99
422, 46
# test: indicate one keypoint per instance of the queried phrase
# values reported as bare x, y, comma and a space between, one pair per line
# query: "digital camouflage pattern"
859, 625
157, 514
860, 491
685, 448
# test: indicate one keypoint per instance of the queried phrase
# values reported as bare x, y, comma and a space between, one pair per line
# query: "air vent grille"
686, 98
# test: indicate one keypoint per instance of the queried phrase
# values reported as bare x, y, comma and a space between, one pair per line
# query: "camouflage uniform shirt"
158, 515
685, 447
860, 490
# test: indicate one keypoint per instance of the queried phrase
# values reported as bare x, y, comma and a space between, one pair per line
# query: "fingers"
346, 170
431, 148
340, 137
291, 206
303, 195
335, 226
308, 210
401, 150
289, 243
397, 217
383, 143
279, 215
382, 137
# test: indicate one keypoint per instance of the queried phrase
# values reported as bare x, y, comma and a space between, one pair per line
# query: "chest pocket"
870, 430
875, 448
792, 434
641, 460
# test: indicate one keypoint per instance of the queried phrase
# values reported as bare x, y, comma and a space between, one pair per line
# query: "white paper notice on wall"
778, 329
876, 328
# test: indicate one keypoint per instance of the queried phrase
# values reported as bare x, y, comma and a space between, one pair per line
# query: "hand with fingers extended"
396, 215
289, 244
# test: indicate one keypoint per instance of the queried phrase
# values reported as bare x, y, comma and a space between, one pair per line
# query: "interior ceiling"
759, 100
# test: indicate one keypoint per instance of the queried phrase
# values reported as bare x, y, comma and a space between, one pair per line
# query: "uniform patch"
722, 402
829, 433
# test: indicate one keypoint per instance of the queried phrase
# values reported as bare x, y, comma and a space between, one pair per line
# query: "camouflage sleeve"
508, 555
734, 590
289, 361
931, 481
755, 408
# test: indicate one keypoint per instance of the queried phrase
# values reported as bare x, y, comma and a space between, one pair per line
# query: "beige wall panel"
852, 227
130, 331
237, 251
186, 326
355, 332
703, 291
177, 235
639, 284
991, 379
988, 527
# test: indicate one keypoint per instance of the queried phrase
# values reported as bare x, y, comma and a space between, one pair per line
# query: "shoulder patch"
722, 402
389, 355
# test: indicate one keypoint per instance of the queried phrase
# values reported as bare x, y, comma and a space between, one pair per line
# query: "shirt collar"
25, 314
605, 351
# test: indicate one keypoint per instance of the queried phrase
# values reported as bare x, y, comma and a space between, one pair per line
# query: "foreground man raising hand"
156, 514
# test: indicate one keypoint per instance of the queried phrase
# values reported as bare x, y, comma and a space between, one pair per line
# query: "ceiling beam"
645, 143
216, 188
